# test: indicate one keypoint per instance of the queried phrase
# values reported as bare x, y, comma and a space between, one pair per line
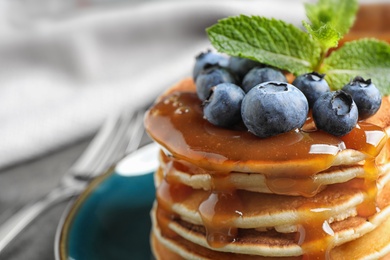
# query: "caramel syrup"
218, 212
368, 139
189, 137
314, 233
177, 123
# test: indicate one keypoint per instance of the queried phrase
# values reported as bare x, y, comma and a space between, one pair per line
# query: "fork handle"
21, 219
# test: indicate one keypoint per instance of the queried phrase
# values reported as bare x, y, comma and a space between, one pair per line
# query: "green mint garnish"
282, 45
330, 20
268, 41
368, 58
326, 35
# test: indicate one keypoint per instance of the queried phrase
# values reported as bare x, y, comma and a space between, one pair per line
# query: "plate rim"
68, 216
76, 203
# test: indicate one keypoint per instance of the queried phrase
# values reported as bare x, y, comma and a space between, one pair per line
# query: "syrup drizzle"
188, 137
314, 232
218, 212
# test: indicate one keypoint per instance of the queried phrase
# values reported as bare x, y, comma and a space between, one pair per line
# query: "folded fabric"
59, 80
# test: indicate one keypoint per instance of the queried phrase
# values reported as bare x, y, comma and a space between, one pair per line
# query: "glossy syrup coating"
176, 122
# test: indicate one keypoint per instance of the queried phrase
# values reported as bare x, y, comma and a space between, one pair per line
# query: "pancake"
345, 227
312, 159
374, 245
176, 122
276, 244
198, 179
219, 195
199, 160
184, 249
226, 194
260, 210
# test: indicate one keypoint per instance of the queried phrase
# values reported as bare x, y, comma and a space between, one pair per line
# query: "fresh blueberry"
208, 59
313, 85
223, 107
259, 75
241, 66
335, 113
211, 77
272, 108
367, 97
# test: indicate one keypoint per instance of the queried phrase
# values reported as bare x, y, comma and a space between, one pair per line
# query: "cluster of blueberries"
237, 89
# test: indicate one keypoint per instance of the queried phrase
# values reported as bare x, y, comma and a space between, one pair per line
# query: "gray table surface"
30, 180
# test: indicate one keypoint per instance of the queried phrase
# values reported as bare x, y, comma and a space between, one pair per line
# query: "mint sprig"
282, 45
326, 35
330, 20
368, 58
269, 41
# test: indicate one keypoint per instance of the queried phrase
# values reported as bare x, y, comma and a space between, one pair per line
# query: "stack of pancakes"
227, 194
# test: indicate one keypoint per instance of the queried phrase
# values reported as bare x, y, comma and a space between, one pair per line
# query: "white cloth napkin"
59, 80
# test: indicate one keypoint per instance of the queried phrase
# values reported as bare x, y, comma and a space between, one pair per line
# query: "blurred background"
66, 65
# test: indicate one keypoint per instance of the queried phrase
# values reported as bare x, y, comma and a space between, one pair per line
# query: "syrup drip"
218, 212
314, 233
188, 137
294, 186
368, 139
369, 206
218, 209
171, 193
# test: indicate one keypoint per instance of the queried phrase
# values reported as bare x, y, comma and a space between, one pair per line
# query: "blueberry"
335, 112
313, 85
367, 97
241, 66
272, 108
259, 75
223, 107
211, 77
208, 59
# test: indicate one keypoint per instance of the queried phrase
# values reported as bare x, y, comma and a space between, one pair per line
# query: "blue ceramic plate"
110, 220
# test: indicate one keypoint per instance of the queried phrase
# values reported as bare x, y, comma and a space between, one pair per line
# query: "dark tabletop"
30, 180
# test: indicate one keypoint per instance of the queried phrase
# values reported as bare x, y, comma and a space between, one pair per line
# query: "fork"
117, 137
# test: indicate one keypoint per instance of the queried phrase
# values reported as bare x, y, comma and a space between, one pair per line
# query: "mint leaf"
340, 15
368, 58
326, 35
273, 42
